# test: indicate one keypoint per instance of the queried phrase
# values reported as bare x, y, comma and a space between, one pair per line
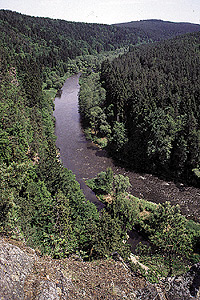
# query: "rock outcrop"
186, 287
15, 266
24, 274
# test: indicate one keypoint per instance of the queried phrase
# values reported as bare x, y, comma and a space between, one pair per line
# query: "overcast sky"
108, 11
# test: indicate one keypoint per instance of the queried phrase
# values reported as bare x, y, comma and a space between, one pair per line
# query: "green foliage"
157, 264
126, 209
159, 30
15, 128
62, 238
6, 151
91, 99
119, 137
160, 144
102, 183
174, 241
193, 230
152, 106
167, 232
53, 44
121, 206
121, 184
41, 202
196, 172
110, 237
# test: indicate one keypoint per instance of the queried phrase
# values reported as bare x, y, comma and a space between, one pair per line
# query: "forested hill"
153, 93
51, 44
159, 30
61, 39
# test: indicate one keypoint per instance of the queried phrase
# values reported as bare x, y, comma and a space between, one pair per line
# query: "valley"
113, 107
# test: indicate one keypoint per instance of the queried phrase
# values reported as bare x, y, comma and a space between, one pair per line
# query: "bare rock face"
15, 265
186, 287
25, 275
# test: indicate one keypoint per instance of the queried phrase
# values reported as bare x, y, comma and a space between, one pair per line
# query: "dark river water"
85, 159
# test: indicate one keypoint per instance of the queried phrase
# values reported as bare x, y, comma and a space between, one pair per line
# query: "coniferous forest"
153, 93
143, 105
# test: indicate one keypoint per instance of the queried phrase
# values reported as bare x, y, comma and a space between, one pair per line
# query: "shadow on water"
98, 152
91, 195
59, 93
135, 238
92, 147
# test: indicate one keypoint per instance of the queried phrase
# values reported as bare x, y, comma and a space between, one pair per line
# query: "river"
85, 159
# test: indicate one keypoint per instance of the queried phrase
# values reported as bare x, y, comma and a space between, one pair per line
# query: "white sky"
108, 11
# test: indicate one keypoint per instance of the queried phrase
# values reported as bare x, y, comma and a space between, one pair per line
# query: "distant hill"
159, 30
53, 42
61, 39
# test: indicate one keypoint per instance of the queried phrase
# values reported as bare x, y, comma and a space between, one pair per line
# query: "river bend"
85, 159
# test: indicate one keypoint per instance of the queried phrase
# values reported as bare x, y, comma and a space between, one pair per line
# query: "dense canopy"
154, 93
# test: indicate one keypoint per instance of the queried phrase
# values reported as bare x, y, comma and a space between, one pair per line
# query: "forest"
41, 202
148, 114
158, 30
143, 106
53, 43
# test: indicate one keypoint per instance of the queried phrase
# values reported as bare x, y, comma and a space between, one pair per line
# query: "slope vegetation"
158, 30
41, 202
154, 95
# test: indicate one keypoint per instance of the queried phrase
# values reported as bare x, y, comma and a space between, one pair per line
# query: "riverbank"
86, 159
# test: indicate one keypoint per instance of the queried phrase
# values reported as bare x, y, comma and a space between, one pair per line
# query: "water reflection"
76, 153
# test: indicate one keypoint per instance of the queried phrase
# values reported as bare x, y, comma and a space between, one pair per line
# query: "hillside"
53, 44
158, 30
154, 94
149, 118
56, 40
